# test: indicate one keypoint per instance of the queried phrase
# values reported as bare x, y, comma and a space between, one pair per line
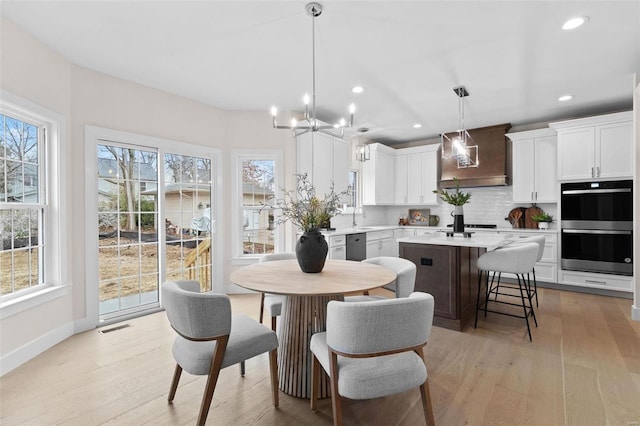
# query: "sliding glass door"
154, 223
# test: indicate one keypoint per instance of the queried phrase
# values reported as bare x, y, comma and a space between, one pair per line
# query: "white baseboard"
635, 313
34, 348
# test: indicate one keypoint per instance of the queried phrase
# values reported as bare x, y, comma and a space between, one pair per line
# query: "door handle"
598, 171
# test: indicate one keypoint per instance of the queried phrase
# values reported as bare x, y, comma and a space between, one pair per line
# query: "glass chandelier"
463, 151
310, 123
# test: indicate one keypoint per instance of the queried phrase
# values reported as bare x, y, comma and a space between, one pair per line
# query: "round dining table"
304, 310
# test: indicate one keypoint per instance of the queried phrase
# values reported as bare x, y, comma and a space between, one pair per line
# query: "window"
257, 182
32, 245
22, 196
352, 200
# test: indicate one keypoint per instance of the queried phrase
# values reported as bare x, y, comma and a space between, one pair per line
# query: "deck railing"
198, 264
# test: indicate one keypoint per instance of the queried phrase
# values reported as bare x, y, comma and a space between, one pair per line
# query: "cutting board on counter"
516, 217
528, 214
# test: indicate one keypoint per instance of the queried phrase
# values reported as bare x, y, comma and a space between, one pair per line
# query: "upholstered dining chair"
210, 339
374, 349
273, 302
403, 285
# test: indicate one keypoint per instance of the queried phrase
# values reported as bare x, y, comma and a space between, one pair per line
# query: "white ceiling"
513, 57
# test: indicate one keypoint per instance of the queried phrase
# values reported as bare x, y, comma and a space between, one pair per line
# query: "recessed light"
574, 23
565, 98
357, 89
417, 126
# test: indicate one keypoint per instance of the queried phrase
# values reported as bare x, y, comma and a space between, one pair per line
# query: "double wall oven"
597, 227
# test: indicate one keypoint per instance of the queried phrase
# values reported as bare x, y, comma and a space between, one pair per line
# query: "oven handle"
595, 191
594, 231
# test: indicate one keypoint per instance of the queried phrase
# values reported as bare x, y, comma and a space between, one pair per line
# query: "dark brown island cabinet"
450, 275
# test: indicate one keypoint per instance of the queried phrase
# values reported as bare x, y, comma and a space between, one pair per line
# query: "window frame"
54, 225
237, 234
97, 135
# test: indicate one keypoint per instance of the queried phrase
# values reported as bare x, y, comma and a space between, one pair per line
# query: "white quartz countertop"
490, 242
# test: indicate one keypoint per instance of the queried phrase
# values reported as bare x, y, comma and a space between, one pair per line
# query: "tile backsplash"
488, 205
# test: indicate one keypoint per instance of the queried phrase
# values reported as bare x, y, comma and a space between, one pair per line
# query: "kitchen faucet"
354, 224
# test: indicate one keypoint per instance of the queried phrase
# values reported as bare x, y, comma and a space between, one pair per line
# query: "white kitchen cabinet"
380, 243
598, 281
400, 192
325, 159
338, 247
598, 147
534, 156
416, 175
378, 176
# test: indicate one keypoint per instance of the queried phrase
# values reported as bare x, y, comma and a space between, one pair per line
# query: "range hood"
493, 162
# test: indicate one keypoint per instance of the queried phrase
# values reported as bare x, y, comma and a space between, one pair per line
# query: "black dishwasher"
357, 246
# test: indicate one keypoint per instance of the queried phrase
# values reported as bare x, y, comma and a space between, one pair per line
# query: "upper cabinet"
418, 176
598, 147
378, 176
401, 176
534, 166
325, 159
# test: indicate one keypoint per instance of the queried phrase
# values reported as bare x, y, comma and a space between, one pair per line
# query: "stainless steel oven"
597, 226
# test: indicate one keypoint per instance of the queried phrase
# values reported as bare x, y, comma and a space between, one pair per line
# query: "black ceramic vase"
311, 251
458, 219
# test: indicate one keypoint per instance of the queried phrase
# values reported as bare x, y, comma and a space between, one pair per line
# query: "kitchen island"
446, 268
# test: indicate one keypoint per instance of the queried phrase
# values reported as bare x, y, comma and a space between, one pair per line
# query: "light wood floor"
583, 368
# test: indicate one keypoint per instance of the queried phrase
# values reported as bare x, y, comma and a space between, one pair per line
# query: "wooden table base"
302, 316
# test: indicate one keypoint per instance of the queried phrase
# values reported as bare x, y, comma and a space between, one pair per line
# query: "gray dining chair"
273, 302
404, 283
210, 338
374, 349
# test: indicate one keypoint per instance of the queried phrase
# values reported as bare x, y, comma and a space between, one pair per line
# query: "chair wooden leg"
261, 306
426, 403
212, 379
426, 395
336, 401
273, 323
315, 381
273, 364
174, 383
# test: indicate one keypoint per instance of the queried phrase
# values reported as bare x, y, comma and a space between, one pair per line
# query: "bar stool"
540, 240
517, 259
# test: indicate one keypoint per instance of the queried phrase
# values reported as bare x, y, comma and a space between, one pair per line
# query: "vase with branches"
309, 212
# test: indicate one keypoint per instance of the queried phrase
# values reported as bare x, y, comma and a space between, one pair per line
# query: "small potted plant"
457, 199
543, 220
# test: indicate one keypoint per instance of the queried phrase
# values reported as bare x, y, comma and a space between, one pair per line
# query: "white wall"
34, 72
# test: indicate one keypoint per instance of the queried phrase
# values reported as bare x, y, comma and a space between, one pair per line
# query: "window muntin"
22, 204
